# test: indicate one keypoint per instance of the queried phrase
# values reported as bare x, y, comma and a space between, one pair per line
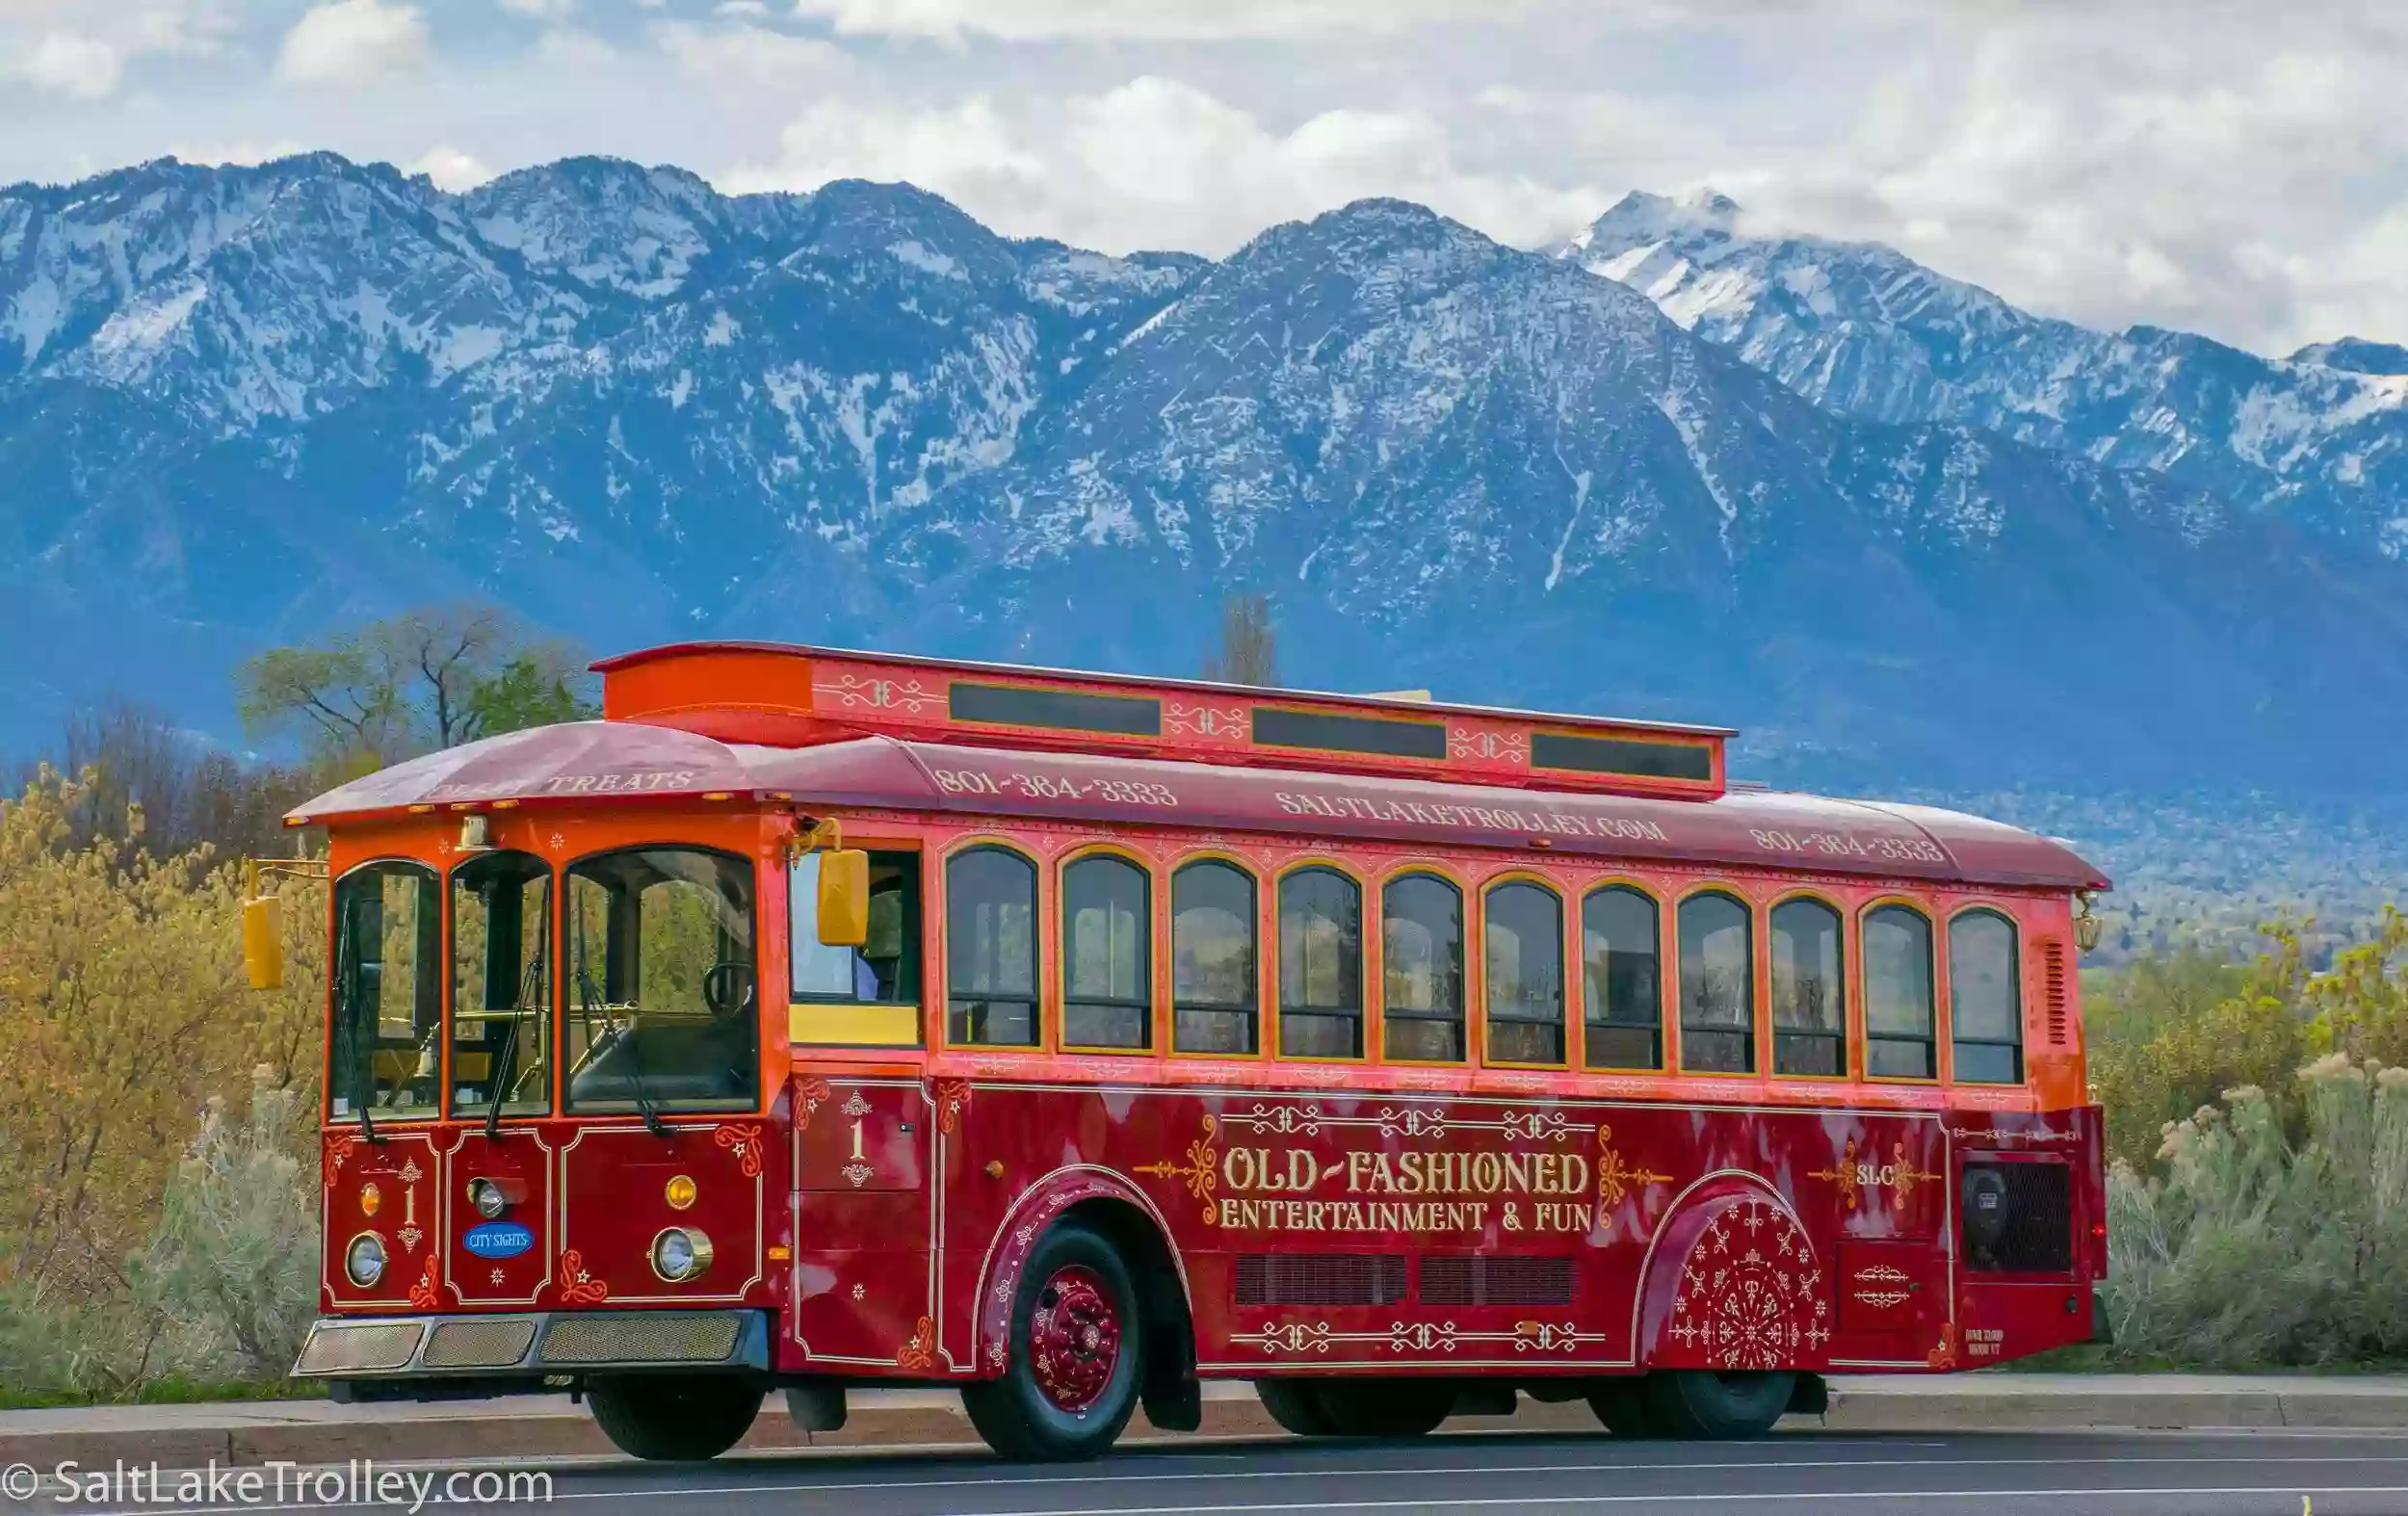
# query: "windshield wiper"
589, 996
346, 1006
506, 1061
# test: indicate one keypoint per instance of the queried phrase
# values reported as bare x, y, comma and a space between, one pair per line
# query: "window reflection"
1808, 996
1523, 953
1898, 1001
1212, 980
1320, 965
1107, 965
1718, 986
1621, 993
991, 930
1986, 1002
1422, 969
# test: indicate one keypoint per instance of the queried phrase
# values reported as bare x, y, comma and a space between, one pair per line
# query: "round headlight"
363, 1262
680, 1254
487, 1198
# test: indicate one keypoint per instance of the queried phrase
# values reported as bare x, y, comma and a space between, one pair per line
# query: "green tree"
429, 678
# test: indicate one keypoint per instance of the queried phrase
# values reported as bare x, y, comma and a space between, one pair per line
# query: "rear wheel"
1621, 1403
674, 1417
1385, 1407
1075, 1370
1702, 1404
1295, 1406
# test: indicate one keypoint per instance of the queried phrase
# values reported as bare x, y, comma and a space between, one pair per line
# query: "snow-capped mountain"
238, 404
2320, 438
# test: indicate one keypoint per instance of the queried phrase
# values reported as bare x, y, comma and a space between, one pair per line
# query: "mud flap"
1809, 1397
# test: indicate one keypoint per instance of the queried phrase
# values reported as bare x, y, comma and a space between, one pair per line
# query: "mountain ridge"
264, 401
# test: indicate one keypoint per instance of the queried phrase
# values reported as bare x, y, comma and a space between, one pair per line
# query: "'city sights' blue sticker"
498, 1240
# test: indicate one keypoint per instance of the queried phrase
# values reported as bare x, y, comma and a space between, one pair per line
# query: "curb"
936, 1421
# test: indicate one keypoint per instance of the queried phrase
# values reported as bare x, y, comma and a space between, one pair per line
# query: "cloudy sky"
2235, 166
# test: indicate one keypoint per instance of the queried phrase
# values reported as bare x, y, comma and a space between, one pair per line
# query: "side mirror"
263, 942
843, 898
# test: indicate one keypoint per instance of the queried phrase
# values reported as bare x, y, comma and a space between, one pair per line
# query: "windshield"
388, 991
663, 1006
500, 992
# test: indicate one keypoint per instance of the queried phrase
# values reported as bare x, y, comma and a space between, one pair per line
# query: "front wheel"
1702, 1404
674, 1417
1075, 1370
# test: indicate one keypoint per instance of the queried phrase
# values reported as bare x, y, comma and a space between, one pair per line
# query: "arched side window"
1985, 999
1420, 940
1320, 965
1522, 949
1809, 991
1107, 957
1899, 1006
1718, 986
1621, 971
1214, 986
990, 947
501, 986
388, 992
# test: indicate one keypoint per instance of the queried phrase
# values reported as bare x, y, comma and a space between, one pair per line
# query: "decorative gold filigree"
1615, 1176
952, 1097
745, 1143
577, 1286
1844, 1175
921, 1351
422, 1294
1200, 1173
1899, 1177
809, 1095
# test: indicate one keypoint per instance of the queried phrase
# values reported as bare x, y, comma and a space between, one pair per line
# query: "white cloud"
2231, 165
71, 64
1050, 21
451, 168
1155, 163
353, 42
238, 154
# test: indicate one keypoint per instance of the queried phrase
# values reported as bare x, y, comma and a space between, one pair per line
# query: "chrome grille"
336, 1348
480, 1344
641, 1336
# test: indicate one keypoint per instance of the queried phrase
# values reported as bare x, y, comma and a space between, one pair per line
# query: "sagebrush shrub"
2254, 1250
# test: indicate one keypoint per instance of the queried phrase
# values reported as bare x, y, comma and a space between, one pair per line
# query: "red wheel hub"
1074, 1338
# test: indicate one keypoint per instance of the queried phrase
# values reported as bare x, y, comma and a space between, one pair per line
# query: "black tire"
674, 1417
1621, 1403
1017, 1414
1296, 1407
1702, 1404
1385, 1407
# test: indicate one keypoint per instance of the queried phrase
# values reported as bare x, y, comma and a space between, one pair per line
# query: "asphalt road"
2127, 1473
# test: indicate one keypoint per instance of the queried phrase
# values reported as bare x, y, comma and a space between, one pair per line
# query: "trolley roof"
578, 763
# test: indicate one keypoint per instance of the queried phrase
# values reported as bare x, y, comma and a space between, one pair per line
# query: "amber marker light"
371, 1200
679, 1193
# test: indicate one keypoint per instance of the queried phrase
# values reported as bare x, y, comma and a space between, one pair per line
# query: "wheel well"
1169, 1328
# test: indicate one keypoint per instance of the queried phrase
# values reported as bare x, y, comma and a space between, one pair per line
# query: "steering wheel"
727, 988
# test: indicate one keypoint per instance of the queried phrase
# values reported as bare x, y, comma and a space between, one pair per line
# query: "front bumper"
542, 1344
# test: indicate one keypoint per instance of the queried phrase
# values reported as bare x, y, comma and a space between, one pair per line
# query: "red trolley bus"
821, 1019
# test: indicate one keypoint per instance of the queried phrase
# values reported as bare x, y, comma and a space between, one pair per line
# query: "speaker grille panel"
1319, 1279
1466, 1279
